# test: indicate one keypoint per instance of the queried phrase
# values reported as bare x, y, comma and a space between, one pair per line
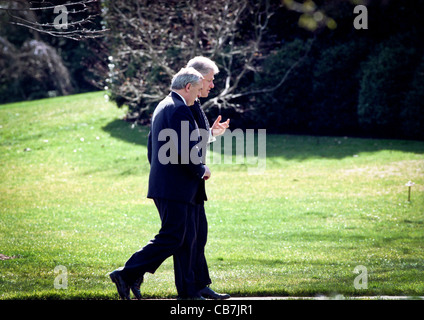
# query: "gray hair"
203, 65
184, 77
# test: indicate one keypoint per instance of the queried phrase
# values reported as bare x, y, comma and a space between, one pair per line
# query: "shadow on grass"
127, 132
307, 147
298, 147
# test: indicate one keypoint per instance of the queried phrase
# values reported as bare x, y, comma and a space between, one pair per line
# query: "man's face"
194, 91
207, 84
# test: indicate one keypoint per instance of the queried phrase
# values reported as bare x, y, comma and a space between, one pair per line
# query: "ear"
187, 87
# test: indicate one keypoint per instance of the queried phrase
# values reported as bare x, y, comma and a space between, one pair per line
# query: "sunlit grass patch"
73, 193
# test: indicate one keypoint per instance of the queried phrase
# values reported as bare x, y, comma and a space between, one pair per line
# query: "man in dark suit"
176, 174
208, 69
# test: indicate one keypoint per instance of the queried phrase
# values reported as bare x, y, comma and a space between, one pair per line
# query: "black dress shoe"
135, 287
208, 293
198, 297
123, 288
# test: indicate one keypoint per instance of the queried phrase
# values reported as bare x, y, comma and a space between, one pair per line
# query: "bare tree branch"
16, 10
261, 19
153, 39
283, 79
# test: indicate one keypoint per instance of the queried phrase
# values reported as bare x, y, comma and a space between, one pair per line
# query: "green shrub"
386, 76
412, 114
336, 85
286, 108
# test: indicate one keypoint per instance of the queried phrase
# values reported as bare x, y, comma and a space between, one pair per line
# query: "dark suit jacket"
203, 123
178, 180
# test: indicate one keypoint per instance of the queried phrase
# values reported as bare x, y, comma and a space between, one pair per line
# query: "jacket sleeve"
149, 147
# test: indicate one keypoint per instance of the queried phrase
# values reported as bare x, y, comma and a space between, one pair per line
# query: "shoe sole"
135, 293
114, 279
207, 296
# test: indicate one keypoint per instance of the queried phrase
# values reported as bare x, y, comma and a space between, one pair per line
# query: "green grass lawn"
73, 193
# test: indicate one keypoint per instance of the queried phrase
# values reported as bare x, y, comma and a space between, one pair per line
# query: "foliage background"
350, 82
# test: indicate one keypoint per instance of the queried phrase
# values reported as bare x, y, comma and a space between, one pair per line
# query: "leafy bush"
386, 76
335, 87
286, 108
33, 71
412, 114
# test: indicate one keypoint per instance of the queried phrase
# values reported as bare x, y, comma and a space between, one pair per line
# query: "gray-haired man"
208, 69
174, 189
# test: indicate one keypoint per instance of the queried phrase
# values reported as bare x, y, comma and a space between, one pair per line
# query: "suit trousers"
201, 271
177, 237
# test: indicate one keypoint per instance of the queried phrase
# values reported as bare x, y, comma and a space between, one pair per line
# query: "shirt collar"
181, 97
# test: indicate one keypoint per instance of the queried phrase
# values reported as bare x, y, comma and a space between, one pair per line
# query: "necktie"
204, 116
211, 137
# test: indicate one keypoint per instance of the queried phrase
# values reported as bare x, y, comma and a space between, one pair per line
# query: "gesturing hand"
218, 128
